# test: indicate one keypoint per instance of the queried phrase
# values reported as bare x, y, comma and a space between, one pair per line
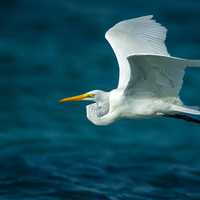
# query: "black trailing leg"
183, 117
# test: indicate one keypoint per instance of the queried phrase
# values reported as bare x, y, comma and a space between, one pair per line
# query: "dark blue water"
52, 49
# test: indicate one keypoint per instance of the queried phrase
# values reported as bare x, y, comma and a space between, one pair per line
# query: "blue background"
52, 49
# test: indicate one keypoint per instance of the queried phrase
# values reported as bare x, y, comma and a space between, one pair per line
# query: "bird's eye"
91, 95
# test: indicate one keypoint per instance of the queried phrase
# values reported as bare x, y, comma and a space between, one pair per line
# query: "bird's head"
97, 110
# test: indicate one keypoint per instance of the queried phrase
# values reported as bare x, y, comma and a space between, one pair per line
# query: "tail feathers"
185, 109
183, 117
193, 63
179, 112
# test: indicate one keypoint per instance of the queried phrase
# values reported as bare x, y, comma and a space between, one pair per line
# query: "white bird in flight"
149, 78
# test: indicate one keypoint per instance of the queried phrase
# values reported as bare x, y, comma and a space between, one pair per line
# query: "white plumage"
136, 36
149, 78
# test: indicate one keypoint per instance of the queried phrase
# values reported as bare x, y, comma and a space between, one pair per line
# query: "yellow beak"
77, 98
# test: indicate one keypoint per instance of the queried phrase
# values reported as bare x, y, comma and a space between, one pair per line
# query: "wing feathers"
160, 75
141, 35
144, 62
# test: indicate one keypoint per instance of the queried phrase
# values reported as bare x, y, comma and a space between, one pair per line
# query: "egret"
149, 78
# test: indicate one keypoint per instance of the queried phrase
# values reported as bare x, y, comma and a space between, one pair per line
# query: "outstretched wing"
141, 35
156, 75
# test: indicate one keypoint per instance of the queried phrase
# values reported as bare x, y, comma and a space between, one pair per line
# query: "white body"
149, 80
137, 106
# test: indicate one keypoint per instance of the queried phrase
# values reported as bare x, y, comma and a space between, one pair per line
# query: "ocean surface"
53, 49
